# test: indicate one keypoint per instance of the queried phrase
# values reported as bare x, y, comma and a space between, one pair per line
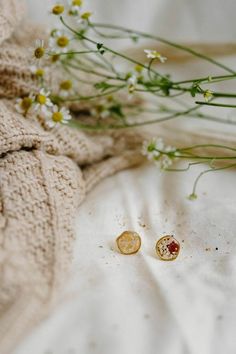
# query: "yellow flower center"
77, 2
110, 98
55, 58
100, 108
62, 41
39, 72
57, 117
66, 85
86, 15
39, 52
138, 68
58, 9
26, 103
41, 99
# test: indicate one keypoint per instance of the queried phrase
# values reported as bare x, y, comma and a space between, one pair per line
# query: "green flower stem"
76, 77
76, 52
194, 115
207, 79
109, 49
106, 63
148, 68
162, 40
207, 171
86, 98
207, 146
92, 72
215, 94
132, 125
216, 104
191, 156
190, 164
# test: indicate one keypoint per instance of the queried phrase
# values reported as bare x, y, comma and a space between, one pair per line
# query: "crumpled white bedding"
138, 304
116, 304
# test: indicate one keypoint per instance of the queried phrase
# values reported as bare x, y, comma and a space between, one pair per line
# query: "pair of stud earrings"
167, 247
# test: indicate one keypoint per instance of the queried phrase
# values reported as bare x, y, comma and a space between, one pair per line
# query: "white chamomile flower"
58, 9
156, 151
57, 116
132, 82
169, 148
59, 42
83, 19
42, 100
153, 54
23, 105
165, 162
66, 88
54, 32
37, 71
100, 111
39, 49
208, 95
86, 15
150, 148
74, 6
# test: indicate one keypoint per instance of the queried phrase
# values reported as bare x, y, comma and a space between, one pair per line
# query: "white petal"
55, 108
51, 124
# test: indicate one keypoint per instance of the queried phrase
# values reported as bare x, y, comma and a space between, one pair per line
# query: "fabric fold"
44, 177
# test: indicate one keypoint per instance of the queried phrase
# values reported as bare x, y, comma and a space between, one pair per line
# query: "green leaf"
165, 85
117, 110
195, 89
99, 46
134, 38
103, 86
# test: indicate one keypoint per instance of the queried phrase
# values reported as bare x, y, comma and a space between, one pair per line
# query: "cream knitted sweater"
44, 176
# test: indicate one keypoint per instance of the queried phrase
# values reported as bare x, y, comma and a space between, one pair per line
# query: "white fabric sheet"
137, 304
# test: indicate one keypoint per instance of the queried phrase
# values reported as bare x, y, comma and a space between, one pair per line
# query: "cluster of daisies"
135, 76
40, 103
163, 155
42, 106
60, 43
72, 8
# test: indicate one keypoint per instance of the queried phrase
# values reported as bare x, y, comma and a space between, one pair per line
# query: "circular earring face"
129, 242
167, 248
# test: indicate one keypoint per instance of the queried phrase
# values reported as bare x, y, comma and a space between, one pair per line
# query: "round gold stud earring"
129, 242
167, 248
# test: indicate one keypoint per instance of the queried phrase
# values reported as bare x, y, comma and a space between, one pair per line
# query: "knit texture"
44, 176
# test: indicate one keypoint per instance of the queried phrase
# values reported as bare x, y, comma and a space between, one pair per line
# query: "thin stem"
77, 52
190, 155
190, 164
137, 124
172, 44
90, 71
207, 171
86, 98
215, 94
215, 104
208, 145
108, 49
209, 80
